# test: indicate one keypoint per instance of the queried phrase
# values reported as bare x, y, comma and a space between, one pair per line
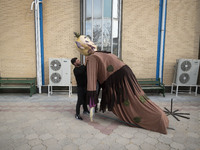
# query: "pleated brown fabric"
122, 94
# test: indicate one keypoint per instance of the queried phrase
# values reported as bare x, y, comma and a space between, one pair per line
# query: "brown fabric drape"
122, 94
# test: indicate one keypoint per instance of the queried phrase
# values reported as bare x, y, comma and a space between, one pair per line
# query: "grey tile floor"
47, 123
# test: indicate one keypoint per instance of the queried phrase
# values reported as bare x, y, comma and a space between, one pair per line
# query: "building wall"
17, 35
139, 36
62, 17
17, 43
182, 34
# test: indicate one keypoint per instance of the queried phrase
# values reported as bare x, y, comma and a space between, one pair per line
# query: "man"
80, 74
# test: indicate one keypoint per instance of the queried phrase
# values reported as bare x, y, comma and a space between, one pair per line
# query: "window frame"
83, 24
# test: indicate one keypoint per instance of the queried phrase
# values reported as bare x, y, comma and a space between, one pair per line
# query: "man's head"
75, 61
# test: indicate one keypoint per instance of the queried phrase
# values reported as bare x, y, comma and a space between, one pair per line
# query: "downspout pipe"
38, 47
41, 41
82, 3
161, 39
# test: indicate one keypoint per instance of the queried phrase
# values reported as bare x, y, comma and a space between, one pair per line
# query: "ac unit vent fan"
186, 65
55, 65
184, 78
56, 77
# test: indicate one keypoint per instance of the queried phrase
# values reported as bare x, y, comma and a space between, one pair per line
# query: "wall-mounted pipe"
39, 46
161, 39
32, 5
158, 44
41, 41
38, 43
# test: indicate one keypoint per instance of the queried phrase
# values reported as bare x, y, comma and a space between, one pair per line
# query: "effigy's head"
84, 44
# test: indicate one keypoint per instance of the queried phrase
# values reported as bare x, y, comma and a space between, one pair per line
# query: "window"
101, 20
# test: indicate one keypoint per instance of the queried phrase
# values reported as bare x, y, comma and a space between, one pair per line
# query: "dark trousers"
81, 91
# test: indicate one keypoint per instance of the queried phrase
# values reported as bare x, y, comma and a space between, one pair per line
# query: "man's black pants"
81, 99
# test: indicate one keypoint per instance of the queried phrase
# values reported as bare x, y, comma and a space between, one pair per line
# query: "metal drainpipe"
37, 39
159, 35
39, 47
161, 39
41, 41
82, 22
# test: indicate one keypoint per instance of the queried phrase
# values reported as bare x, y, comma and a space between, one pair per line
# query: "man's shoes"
78, 117
86, 112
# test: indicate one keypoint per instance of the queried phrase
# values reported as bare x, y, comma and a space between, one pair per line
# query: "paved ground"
47, 123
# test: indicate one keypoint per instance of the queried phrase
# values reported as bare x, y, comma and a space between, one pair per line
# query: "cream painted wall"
139, 36
17, 35
17, 47
62, 17
182, 34
61, 20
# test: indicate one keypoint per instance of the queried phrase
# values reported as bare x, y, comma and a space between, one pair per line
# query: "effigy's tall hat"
84, 44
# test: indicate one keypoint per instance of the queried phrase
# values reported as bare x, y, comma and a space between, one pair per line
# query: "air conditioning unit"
59, 74
186, 71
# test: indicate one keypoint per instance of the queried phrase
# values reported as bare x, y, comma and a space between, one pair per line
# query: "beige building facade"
62, 17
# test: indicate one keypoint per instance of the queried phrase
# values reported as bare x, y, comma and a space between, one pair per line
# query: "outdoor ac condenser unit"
186, 71
59, 72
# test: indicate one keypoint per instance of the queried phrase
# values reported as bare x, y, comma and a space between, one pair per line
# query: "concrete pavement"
47, 123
